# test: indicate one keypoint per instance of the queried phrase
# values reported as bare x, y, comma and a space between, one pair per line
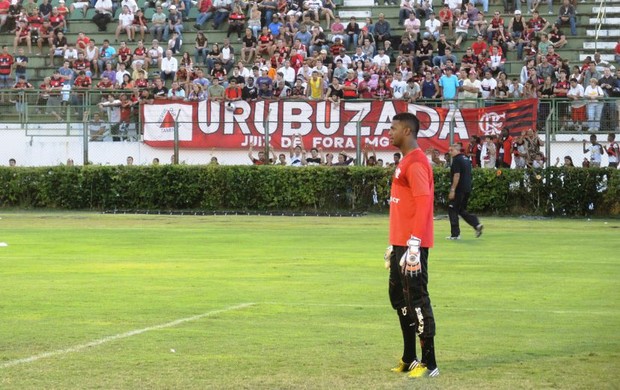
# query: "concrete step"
604, 33
605, 21
599, 45
608, 10
606, 57
358, 3
359, 15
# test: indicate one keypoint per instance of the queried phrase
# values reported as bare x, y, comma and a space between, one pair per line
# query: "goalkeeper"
411, 236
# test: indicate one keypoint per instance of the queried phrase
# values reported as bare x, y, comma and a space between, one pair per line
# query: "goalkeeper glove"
410, 262
387, 255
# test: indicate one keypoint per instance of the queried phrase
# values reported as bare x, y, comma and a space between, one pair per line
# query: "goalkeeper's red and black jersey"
411, 200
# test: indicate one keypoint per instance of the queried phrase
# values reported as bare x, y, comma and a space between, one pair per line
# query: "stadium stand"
54, 37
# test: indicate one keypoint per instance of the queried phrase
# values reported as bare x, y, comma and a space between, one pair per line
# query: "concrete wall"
37, 147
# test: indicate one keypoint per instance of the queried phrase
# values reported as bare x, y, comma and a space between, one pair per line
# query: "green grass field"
90, 301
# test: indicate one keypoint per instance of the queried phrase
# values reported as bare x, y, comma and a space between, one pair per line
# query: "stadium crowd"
294, 49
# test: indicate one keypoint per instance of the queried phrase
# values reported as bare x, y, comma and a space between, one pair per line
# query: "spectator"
349, 86
343, 160
462, 27
236, 22
222, 9
423, 8
158, 24
58, 47
57, 21
413, 25
485, 4
82, 5
567, 15
430, 88
103, 14
593, 94
488, 153
248, 50
398, 86
432, 27
23, 34
196, 93
315, 86
206, 12
176, 92
480, 24
612, 150
382, 29
424, 53
494, 26
226, 56
125, 22
98, 130
352, 32
449, 85
568, 162
406, 9
480, 46
495, 62
596, 151
254, 22
537, 23
169, 67
488, 85
472, 88
334, 92
446, 17
557, 37
413, 91
174, 23
215, 90
262, 158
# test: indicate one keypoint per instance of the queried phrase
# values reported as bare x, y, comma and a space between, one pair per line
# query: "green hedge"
555, 191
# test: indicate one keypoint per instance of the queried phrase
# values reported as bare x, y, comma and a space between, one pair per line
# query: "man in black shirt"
460, 189
159, 91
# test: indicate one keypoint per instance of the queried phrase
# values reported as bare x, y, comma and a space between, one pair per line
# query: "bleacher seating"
575, 51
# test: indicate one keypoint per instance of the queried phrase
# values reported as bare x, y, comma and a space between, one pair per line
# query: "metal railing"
600, 17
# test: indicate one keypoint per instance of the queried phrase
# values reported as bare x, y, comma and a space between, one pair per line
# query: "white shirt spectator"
104, 6
515, 91
131, 4
155, 52
381, 59
488, 86
289, 74
125, 20
322, 71
432, 26
228, 53
596, 91
346, 60
595, 153
71, 55
454, 4
577, 91
169, 64
399, 87
313, 5
476, 84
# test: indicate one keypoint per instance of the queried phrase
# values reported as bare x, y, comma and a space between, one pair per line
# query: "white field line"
387, 306
119, 336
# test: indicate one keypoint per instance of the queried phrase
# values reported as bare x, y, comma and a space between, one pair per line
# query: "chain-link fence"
112, 127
